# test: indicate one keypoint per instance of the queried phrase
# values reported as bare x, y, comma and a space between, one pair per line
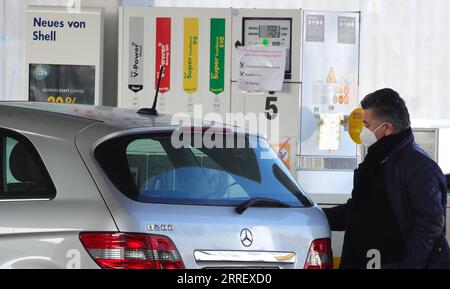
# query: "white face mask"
368, 137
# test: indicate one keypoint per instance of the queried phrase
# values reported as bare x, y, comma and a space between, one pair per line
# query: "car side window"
147, 159
23, 175
222, 182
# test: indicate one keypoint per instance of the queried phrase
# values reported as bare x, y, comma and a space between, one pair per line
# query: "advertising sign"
77, 85
64, 55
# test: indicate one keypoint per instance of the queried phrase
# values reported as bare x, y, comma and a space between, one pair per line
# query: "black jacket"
417, 192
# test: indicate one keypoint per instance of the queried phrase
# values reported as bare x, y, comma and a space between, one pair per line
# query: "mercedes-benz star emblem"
246, 237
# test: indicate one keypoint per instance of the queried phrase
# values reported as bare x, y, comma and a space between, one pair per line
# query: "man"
399, 196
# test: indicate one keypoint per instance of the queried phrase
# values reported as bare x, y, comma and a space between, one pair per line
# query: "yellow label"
190, 71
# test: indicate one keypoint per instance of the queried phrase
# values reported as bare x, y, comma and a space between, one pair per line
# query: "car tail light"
320, 255
131, 251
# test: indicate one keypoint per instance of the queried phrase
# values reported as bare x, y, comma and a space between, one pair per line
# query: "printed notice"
329, 132
261, 68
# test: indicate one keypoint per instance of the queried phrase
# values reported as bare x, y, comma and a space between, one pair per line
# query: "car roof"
60, 119
91, 112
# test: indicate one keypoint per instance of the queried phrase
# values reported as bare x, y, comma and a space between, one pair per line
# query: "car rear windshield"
150, 168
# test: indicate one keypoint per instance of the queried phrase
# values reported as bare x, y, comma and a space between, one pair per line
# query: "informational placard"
261, 68
162, 55
190, 81
217, 56
136, 62
347, 30
315, 28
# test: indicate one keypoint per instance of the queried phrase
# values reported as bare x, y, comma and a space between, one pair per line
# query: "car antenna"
152, 111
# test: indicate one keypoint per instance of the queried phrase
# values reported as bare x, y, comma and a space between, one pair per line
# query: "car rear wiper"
260, 202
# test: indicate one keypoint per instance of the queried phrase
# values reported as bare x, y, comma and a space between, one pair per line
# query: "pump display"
269, 32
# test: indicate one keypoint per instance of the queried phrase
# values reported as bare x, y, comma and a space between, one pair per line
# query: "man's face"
377, 126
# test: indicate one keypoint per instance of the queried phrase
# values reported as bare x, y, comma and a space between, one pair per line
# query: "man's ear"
390, 130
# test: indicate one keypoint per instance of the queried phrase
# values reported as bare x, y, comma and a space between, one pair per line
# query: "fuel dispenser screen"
269, 32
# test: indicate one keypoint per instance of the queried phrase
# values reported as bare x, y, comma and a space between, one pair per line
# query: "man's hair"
388, 106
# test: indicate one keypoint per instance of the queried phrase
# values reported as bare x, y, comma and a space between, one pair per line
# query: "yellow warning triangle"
331, 78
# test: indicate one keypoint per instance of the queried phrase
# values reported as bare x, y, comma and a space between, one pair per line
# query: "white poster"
329, 131
261, 68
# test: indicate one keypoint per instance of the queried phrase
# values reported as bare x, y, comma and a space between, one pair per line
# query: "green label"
217, 56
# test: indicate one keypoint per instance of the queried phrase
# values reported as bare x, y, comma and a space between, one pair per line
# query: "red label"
163, 45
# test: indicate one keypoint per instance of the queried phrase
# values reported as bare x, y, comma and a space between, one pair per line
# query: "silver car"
98, 187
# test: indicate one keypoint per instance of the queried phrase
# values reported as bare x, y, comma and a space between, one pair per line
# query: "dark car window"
147, 168
23, 175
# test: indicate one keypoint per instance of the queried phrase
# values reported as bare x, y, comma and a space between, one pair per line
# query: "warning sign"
283, 151
331, 78
341, 94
